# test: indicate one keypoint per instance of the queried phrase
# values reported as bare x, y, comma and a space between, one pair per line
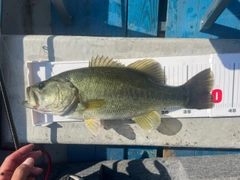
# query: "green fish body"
109, 90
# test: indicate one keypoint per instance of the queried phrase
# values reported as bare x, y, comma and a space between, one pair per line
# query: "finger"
35, 155
23, 170
22, 151
36, 171
15, 159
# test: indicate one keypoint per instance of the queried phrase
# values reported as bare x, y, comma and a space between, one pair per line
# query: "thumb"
23, 170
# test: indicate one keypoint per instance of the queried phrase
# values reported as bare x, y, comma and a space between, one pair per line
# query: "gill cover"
56, 96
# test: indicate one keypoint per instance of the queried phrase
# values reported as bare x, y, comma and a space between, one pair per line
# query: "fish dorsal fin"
104, 62
151, 68
149, 121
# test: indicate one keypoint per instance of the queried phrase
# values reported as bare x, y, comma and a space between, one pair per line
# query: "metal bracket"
62, 12
214, 11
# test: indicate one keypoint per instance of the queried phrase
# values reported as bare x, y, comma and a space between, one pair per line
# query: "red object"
217, 95
49, 161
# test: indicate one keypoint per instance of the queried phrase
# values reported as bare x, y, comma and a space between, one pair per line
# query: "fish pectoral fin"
104, 62
94, 104
148, 121
150, 67
93, 125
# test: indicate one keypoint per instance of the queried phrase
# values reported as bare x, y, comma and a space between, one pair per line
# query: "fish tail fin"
198, 90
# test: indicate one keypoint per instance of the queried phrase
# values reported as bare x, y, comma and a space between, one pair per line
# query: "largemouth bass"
109, 90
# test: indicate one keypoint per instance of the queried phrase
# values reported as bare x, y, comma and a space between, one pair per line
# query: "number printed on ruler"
217, 95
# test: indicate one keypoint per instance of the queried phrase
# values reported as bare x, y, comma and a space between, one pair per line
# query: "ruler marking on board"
237, 87
229, 86
233, 85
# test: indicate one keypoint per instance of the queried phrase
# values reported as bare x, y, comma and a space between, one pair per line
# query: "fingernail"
29, 161
31, 145
39, 152
40, 170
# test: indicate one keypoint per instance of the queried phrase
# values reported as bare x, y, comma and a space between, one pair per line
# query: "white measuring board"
225, 67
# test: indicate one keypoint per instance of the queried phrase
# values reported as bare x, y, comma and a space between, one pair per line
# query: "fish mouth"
32, 101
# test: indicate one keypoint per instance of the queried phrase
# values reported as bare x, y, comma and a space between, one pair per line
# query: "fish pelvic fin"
150, 67
198, 90
149, 121
93, 125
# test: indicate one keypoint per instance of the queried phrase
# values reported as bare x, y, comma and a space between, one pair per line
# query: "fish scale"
106, 83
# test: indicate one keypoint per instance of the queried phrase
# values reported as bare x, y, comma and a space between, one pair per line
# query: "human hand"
18, 165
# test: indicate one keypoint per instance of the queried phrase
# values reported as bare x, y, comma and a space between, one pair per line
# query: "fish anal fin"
94, 104
93, 125
104, 62
151, 68
148, 121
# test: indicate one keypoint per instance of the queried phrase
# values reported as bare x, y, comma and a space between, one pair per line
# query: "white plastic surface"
225, 67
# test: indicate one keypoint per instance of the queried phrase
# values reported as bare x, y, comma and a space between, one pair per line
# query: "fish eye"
41, 86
